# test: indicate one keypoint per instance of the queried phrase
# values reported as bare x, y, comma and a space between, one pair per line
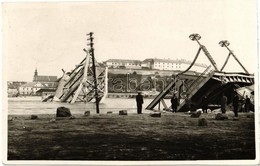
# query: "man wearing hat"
139, 102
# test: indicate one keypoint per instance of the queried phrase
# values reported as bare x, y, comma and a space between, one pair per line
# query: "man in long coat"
175, 103
139, 102
223, 103
247, 104
204, 102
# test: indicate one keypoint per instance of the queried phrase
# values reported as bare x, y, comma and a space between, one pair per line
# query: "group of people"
204, 103
140, 101
236, 102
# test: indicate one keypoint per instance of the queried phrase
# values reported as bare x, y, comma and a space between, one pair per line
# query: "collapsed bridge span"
212, 83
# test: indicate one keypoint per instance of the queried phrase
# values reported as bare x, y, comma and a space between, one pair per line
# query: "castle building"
155, 63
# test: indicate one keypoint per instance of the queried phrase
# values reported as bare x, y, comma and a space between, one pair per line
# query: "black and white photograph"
130, 82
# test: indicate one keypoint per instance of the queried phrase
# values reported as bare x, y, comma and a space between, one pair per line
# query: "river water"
33, 105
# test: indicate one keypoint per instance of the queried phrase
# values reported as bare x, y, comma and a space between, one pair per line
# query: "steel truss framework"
205, 84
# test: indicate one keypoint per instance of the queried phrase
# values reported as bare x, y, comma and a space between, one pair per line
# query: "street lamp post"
196, 37
225, 43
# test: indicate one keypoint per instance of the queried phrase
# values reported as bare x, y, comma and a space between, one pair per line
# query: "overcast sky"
51, 36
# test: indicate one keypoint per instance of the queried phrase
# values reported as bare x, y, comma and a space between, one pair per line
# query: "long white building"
155, 63
124, 63
168, 64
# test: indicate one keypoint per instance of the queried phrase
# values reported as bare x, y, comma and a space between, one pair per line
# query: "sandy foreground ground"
173, 136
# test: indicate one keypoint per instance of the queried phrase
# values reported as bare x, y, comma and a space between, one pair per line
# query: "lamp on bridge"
195, 37
224, 43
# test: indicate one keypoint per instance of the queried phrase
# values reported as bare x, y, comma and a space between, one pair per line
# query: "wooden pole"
94, 70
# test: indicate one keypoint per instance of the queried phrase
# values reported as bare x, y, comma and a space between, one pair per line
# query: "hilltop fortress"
154, 63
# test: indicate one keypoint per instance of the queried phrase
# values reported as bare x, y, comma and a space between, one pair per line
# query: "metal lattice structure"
211, 83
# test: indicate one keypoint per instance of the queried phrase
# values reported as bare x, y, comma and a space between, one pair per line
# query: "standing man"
204, 104
139, 102
188, 103
174, 102
223, 104
235, 104
247, 104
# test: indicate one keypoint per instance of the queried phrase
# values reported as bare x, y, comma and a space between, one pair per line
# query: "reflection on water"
33, 105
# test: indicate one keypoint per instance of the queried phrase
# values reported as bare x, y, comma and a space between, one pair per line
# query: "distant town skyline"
51, 36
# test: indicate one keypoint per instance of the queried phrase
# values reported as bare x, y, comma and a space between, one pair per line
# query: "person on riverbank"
235, 104
175, 103
223, 103
204, 102
139, 102
188, 103
247, 104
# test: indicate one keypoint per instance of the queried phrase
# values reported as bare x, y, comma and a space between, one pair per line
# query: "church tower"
35, 75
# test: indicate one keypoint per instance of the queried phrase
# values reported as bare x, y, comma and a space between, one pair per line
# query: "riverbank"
28, 106
173, 136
